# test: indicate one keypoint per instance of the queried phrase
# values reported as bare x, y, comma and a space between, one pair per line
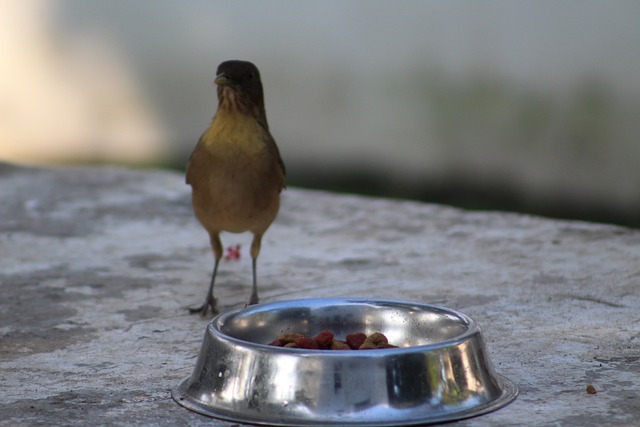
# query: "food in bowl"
325, 340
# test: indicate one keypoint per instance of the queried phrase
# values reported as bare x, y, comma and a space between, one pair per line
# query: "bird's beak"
223, 80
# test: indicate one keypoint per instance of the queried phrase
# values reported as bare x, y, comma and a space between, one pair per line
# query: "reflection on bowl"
439, 372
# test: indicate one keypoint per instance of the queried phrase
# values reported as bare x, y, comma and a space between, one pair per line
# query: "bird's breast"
235, 134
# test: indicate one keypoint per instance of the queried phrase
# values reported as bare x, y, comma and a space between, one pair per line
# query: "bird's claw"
204, 308
253, 300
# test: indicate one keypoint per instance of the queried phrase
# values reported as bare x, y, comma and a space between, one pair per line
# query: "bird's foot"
204, 308
253, 300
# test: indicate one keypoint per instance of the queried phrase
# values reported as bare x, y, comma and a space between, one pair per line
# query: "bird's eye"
250, 76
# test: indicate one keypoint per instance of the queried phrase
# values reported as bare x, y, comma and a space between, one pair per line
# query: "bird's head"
240, 88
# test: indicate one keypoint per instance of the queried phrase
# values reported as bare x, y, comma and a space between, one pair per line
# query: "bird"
235, 171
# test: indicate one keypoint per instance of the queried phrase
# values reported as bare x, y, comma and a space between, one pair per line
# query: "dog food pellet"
356, 340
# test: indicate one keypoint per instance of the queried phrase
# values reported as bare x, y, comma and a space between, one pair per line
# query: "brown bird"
235, 171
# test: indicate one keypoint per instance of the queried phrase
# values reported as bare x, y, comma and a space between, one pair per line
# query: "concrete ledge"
97, 266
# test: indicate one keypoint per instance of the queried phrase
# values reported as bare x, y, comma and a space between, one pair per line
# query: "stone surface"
98, 265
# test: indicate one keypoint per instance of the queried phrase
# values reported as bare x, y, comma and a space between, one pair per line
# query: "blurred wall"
68, 97
500, 104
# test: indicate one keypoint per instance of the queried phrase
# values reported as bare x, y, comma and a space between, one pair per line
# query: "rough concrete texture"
98, 265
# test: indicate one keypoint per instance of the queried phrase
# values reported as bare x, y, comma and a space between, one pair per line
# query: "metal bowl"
440, 372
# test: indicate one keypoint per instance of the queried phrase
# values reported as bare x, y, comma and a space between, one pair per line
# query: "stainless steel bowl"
440, 372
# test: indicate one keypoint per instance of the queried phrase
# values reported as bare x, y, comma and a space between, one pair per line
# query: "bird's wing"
190, 169
262, 121
274, 148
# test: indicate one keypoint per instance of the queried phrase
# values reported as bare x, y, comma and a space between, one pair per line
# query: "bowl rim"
218, 321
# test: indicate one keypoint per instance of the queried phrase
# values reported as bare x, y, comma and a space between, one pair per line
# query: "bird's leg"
210, 301
255, 251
